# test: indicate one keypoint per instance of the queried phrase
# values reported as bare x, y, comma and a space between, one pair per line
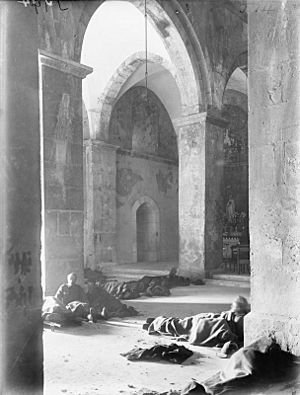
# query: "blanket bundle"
170, 353
205, 329
147, 285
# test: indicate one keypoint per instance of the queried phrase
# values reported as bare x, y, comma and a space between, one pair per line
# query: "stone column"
61, 130
100, 221
214, 190
274, 119
191, 148
21, 349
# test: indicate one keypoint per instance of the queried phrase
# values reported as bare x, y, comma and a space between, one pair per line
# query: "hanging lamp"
146, 49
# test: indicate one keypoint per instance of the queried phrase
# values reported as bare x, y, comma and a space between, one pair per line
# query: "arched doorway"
146, 234
145, 231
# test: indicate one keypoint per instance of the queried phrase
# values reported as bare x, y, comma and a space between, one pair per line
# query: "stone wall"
20, 213
274, 118
192, 155
221, 28
61, 128
100, 203
214, 190
139, 177
140, 122
146, 167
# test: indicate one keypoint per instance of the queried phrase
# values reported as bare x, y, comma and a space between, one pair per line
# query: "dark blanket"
54, 311
204, 329
171, 353
100, 299
147, 285
104, 306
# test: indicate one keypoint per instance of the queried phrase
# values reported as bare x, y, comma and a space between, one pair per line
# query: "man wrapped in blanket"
205, 329
70, 303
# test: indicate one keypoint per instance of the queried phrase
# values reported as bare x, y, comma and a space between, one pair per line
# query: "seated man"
205, 329
73, 297
69, 305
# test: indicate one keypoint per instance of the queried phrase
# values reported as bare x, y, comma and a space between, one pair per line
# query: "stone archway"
180, 41
145, 230
99, 118
189, 123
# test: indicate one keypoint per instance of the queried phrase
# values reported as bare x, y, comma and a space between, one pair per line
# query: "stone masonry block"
64, 223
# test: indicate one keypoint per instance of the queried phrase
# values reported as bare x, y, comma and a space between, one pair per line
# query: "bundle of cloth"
71, 304
54, 311
159, 353
205, 329
147, 285
106, 305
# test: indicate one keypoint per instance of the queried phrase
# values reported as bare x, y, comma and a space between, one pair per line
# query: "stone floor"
86, 360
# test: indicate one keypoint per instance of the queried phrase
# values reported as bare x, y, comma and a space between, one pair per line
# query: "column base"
285, 329
193, 270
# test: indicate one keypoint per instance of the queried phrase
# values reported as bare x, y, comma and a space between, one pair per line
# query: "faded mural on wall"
141, 123
146, 166
126, 180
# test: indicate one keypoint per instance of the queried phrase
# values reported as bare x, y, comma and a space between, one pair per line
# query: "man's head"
72, 278
240, 305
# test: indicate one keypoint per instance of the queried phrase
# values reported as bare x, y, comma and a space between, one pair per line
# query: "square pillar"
21, 349
100, 220
274, 171
191, 149
214, 190
62, 167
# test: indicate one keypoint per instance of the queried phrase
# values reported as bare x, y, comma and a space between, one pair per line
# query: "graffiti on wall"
20, 292
21, 263
19, 296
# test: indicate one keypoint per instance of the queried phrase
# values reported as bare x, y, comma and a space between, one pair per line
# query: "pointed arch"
184, 50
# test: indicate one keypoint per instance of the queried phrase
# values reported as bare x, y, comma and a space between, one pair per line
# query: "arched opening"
146, 227
153, 143
147, 234
146, 165
236, 182
123, 22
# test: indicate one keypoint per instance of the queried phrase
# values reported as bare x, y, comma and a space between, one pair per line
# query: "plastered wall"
146, 167
138, 177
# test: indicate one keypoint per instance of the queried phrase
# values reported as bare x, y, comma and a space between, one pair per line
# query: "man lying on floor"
71, 304
205, 329
257, 368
